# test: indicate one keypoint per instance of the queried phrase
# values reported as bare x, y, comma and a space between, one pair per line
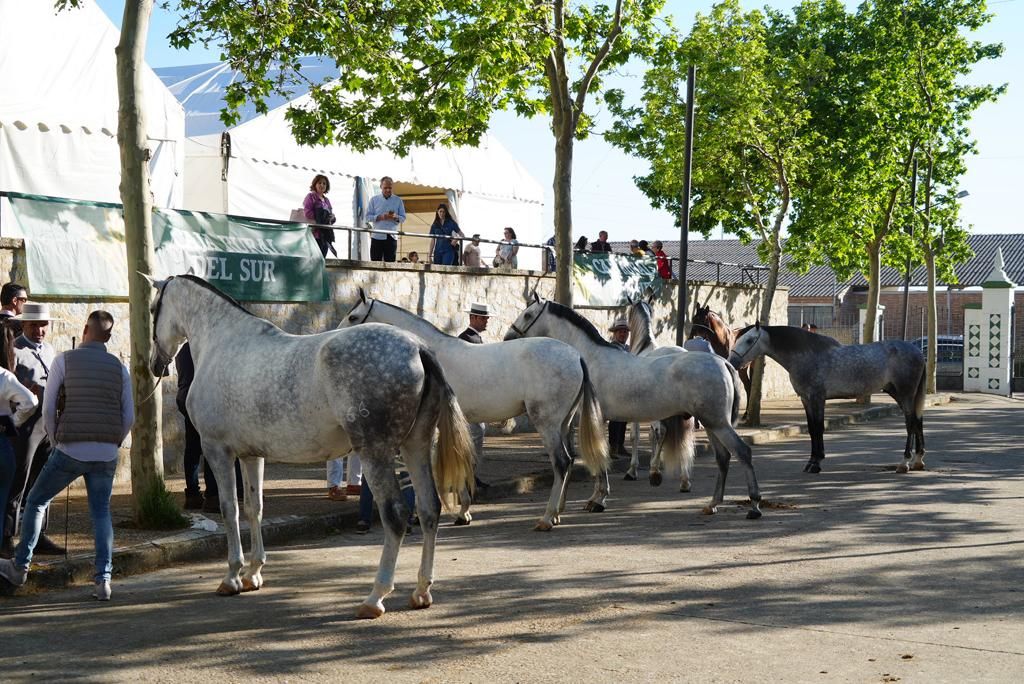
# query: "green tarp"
605, 279
77, 249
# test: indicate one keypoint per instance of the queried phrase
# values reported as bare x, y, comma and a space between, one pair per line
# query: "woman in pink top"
317, 209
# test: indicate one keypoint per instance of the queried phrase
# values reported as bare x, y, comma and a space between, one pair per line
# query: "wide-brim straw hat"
31, 311
619, 324
476, 309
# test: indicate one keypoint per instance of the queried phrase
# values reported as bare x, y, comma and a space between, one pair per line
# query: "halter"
700, 326
368, 310
522, 333
156, 343
743, 357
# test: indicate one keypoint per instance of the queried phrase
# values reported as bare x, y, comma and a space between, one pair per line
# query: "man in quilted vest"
87, 411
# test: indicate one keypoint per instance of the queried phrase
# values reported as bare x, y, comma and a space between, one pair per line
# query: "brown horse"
710, 326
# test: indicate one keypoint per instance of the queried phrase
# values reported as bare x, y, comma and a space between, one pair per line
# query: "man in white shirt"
386, 212
87, 411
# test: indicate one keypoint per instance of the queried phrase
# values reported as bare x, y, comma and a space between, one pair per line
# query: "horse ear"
362, 295
152, 281
630, 300
757, 325
536, 297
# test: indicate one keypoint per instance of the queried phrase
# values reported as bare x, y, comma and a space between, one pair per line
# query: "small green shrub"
157, 509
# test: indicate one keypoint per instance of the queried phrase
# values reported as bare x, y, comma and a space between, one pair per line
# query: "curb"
200, 545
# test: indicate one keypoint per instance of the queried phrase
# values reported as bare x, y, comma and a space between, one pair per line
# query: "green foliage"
157, 509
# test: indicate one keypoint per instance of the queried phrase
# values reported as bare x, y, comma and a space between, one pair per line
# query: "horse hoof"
684, 487
812, 468
903, 468
420, 601
594, 507
543, 526
226, 589
753, 514
655, 479
463, 521
369, 612
917, 466
629, 477
251, 584
556, 521
709, 510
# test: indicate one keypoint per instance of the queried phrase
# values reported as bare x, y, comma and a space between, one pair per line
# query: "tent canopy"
261, 171
59, 108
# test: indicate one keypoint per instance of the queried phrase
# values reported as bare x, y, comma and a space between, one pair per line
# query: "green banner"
604, 279
77, 248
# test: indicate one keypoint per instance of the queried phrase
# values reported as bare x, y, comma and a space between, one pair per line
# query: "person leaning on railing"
317, 208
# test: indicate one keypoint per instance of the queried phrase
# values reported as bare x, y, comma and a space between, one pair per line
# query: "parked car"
950, 359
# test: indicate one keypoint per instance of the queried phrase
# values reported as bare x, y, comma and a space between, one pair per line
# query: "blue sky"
605, 197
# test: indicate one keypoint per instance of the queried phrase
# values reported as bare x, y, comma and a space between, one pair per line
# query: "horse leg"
911, 422
428, 508
597, 500
728, 438
814, 408
689, 436
634, 458
222, 463
464, 517
745, 379
658, 441
561, 462
252, 475
918, 463
378, 468
722, 459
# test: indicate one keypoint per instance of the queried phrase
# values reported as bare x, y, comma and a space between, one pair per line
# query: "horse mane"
797, 339
575, 319
208, 286
639, 327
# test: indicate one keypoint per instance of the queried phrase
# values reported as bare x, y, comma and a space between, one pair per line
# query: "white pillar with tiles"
987, 334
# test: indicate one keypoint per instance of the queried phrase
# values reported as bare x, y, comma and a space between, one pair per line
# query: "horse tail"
593, 445
453, 466
679, 445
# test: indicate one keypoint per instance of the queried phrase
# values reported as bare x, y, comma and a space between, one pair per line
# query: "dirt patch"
766, 503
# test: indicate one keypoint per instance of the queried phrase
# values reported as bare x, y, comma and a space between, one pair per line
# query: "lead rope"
67, 498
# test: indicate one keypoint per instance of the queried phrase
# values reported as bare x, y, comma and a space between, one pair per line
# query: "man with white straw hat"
33, 357
617, 429
478, 316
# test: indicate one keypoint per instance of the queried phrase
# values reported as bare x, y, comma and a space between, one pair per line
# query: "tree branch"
595, 64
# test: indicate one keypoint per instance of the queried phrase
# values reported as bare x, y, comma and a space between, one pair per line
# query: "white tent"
257, 169
58, 108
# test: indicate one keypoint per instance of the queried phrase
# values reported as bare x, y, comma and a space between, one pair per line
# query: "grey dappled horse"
546, 379
669, 388
821, 368
261, 393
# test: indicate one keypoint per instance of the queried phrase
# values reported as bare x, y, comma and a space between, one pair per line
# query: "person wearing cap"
33, 358
96, 414
478, 317
617, 429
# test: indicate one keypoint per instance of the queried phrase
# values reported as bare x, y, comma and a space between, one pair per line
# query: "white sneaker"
102, 591
12, 573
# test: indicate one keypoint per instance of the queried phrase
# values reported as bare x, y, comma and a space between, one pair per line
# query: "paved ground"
857, 574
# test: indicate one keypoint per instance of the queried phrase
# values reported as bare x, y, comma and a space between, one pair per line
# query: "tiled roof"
820, 281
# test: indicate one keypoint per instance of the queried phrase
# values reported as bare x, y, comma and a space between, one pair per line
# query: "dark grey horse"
821, 368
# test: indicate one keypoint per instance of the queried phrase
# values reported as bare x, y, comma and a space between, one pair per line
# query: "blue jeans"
6, 477
60, 471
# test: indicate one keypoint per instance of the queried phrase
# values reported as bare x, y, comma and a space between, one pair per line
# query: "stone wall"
438, 293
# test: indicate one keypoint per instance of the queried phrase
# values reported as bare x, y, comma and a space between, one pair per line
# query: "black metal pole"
910, 231
684, 219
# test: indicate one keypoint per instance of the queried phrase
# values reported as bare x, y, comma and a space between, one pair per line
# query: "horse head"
168, 335
359, 312
749, 346
526, 320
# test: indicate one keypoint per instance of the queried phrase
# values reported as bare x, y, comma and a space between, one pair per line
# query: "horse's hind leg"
722, 459
378, 468
729, 439
814, 408
252, 474
464, 517
561, 462
222, 463
428, 508
634, 456
918, 463
598, 499
657, 443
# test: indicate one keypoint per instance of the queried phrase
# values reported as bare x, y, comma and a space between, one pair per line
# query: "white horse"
641, 343
260, 393
669, 388
544, 378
